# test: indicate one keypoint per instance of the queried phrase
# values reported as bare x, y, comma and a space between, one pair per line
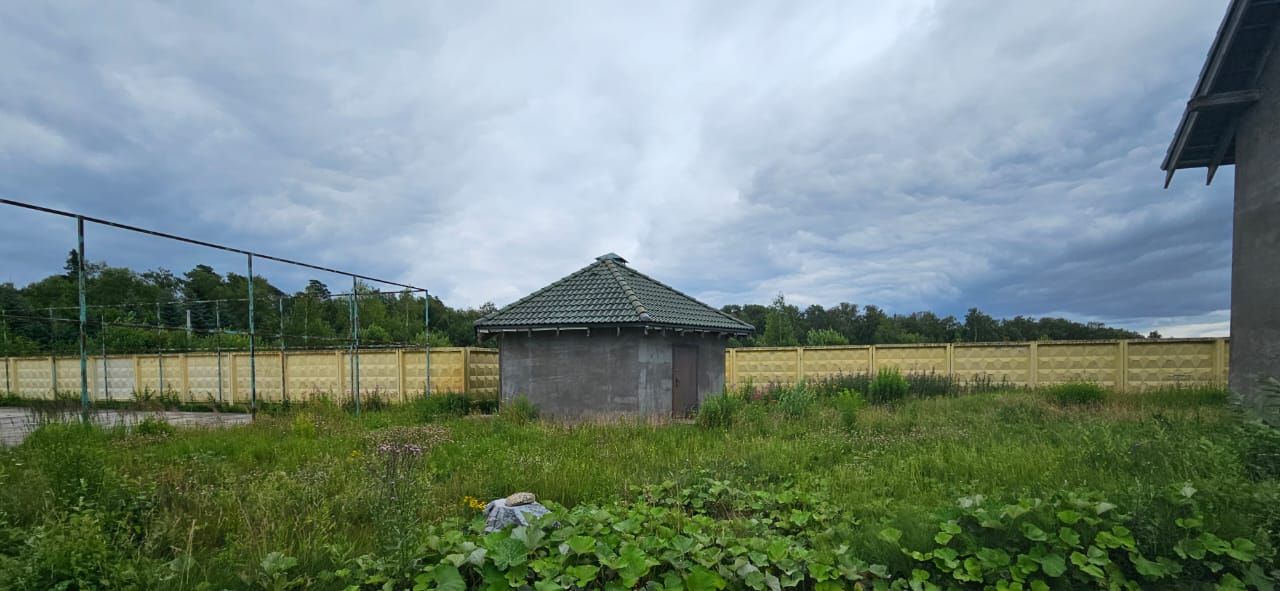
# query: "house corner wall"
1255, 260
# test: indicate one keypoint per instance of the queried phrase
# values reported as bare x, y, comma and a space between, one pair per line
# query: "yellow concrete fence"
1124, 366
295, 375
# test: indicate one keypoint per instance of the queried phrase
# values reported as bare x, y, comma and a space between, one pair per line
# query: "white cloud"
910, 154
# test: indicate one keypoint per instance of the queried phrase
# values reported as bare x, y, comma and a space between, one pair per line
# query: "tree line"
782, 325
203, 310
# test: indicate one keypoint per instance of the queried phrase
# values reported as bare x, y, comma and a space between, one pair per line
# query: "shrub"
1078, 540
1261, 453
1077, 394
718, 411
442, 405
795, 401
824, 337
518, 411
304, 426
485, 406
849, 403
889, 386
153, 427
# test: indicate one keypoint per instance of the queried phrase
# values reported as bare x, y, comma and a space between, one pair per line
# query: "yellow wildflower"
473, 502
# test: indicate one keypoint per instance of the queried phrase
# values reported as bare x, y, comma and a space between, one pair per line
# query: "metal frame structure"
83, 307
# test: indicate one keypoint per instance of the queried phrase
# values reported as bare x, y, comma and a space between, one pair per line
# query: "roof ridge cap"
641, 311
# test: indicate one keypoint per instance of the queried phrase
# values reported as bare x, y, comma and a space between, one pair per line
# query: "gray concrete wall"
1255, 252
573, 374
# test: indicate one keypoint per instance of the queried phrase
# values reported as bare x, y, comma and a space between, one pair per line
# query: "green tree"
780, 325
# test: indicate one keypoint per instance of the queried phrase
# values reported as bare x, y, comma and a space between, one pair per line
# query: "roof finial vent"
612, 256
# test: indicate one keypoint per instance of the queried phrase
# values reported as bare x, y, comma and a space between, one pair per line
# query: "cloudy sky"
911, 154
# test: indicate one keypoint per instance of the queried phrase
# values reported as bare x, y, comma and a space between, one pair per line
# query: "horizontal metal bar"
139, 230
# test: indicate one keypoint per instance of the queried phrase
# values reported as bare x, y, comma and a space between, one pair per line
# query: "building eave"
1227, 86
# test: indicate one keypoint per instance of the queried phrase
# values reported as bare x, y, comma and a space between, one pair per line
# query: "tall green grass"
212, 505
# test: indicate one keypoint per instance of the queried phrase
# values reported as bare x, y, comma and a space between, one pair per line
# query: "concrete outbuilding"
609, 340
1233, 117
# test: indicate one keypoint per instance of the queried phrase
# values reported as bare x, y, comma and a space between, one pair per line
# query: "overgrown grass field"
860, 494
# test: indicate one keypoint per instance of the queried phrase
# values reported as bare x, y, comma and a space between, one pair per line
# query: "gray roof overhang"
1228, 85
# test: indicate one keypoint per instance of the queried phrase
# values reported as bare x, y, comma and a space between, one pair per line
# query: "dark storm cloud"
919, 155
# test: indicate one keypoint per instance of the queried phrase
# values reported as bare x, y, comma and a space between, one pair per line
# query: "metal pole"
426, 343
284, 394
102, 337
159, 348
253, 373
4, 329
53, 352
84, 319
355, 345
217, 343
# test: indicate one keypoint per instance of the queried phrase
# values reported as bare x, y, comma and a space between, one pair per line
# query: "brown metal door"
684, 380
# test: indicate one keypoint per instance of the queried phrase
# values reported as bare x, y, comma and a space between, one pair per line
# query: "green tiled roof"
609, 293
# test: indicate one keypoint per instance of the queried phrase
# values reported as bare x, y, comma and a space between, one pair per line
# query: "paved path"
16, 423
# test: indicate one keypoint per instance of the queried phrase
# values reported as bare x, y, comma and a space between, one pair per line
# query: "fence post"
137, 375
466, 370
400, 375
731, 368
253, 368
799, 364
951, 360
84, 321
1123, 369
1219, 359
53, 376
235, 377
185, 365
1033, 372
871, 360
342, 378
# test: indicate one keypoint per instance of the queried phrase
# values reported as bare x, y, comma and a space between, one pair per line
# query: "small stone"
520, 498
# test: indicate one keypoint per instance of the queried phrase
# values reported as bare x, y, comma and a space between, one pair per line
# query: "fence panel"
69, 376
314, 375
6, 380
116, 382
1009, 364
267, 372
819, 362
448, 372
380, 375
1153, 365
34, 377
203, 376
483, 373
1100, 363
766, 365
912, 358
1120, 365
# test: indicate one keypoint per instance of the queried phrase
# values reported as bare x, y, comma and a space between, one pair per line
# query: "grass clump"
849, 403
887, 387
436, 406
152, 426
518, 411
1076, 394
718, 411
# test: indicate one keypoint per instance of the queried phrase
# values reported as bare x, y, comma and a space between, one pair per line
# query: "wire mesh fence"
222, 339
